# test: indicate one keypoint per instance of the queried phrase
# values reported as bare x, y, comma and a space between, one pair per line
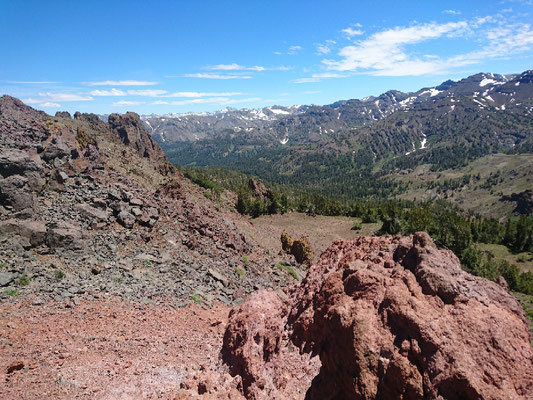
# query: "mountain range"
343, 148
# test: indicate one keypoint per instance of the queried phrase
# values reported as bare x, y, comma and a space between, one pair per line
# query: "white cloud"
452, 12
147, 92
324, 48
31, 82
294, 50
319, 77
120, 83
224, 101
112, 92
127, 103
350, 32
202, 94
234, 67
383, 52
56, 97
50, 105
217, 76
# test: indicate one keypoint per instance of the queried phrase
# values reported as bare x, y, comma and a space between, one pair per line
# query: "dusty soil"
106, 349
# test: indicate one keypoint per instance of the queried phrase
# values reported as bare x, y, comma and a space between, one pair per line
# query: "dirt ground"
321, 230
106, 349
112, 349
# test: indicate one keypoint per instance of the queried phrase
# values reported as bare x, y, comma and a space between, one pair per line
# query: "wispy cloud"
112, 92
324, 48
319, 77
223, 101
239, 67
202, 94
353, 31
57, 97
452, 12
385, 53
120, 83
234, 67
160, 93
127, 103
147, 92
292, 50
217, 76
32, 82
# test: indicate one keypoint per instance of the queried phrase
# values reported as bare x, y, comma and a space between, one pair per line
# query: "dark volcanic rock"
34, 231
524, 201
63, 114
61, 234
394, 318
129, 129
259, 190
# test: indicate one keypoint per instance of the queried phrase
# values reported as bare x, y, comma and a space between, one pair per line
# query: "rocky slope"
88, 208
389, 318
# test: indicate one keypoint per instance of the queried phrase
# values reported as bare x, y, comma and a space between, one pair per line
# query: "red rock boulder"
396, 318
390, 318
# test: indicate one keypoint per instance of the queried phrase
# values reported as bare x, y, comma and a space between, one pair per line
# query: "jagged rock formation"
523, 200
259, 191
129, 129
392, 318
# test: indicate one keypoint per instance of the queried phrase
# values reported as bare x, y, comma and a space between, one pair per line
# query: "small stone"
15, 366
136, 202
6, 278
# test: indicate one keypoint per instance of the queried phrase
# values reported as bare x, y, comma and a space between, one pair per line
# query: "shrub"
286, 242
357, 226
24, 281
302, 251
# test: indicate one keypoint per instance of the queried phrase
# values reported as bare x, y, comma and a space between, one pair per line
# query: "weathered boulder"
6, 278
17, 162
57, 148
390, 318
91, 213
126, 219
62, 234
34, 231
15, 192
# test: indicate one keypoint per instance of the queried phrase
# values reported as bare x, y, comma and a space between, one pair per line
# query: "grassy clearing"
524, 261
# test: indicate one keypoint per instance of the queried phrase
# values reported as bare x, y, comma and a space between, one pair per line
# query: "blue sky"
177, 56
